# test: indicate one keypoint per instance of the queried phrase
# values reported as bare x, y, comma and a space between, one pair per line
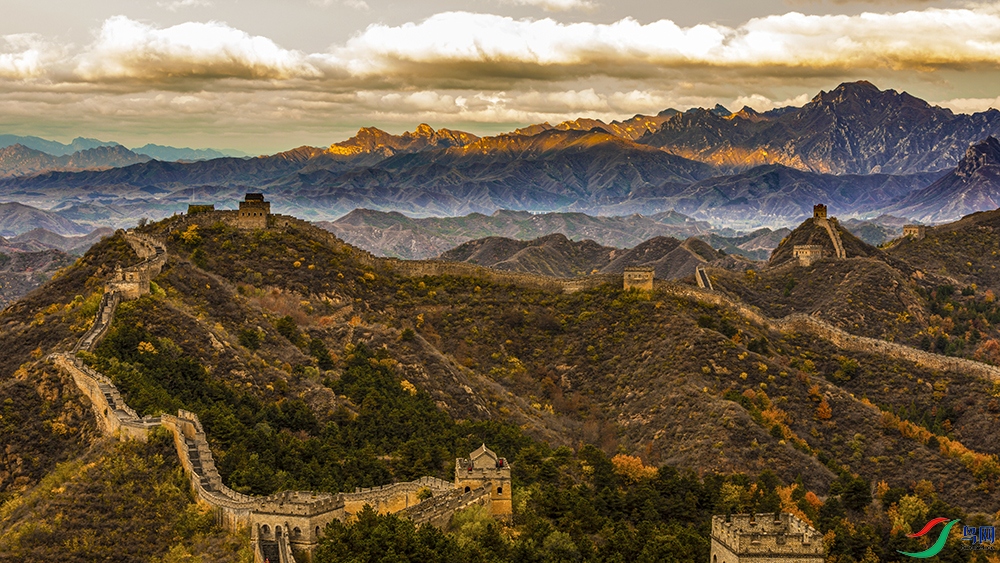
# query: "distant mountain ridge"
854, 129
860, 149
54, 148
394, 234
158, 152
974, 185
19, 160
16, 218
174, 154
555, 255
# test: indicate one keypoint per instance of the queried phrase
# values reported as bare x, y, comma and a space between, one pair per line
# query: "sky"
268, 75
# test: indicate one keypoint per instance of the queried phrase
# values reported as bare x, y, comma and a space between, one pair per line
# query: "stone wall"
798, 322
133, 282
393, 498
759, 538
286, 519
437, 511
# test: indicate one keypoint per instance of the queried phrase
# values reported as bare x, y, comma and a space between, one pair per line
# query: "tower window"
499, 490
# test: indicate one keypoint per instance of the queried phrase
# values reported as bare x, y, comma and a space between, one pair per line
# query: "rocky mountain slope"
21, 272
853, 129
776, 195
974, 185
631, 129
424, 137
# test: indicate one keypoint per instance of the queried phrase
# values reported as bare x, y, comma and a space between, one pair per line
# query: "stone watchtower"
638, 278
916, 231
808, 254
253, 212
819, 211
764, 538
484, 468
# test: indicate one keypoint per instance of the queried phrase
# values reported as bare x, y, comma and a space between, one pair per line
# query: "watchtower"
483, 468
916, 231
253, 212
808, 254
764, 538
819, 211
639, 278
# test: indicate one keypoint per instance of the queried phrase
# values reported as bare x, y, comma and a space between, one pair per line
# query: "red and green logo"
938, 545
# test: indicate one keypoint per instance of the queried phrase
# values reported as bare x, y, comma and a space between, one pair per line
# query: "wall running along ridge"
287, 519
278, 522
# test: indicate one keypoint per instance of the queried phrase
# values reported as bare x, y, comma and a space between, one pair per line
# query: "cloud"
127, 49
555, 5
453, 44
460, 68
359, 5
175, 5
970, 105
25, 56
762, 103
462, 49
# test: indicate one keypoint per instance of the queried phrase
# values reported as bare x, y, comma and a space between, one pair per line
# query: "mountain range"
19, 160
555, 255
16, 218
861, 149
396, 235
158, 152
854, 129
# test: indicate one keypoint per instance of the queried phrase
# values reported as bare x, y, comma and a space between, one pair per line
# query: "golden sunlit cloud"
460, 68
462, 48
129, 49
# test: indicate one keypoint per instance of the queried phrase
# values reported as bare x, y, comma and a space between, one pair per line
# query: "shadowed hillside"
313, 365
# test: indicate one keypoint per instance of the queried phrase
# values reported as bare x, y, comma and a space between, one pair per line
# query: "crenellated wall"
762, 538
798, 322
276, 523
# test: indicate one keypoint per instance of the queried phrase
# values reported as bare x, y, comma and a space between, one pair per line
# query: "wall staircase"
838, 245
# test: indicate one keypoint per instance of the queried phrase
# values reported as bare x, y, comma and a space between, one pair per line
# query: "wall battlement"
915, 231
638, 278
763, 538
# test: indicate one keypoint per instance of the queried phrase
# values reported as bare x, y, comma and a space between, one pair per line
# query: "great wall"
285, 520
279, 522
641, 278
